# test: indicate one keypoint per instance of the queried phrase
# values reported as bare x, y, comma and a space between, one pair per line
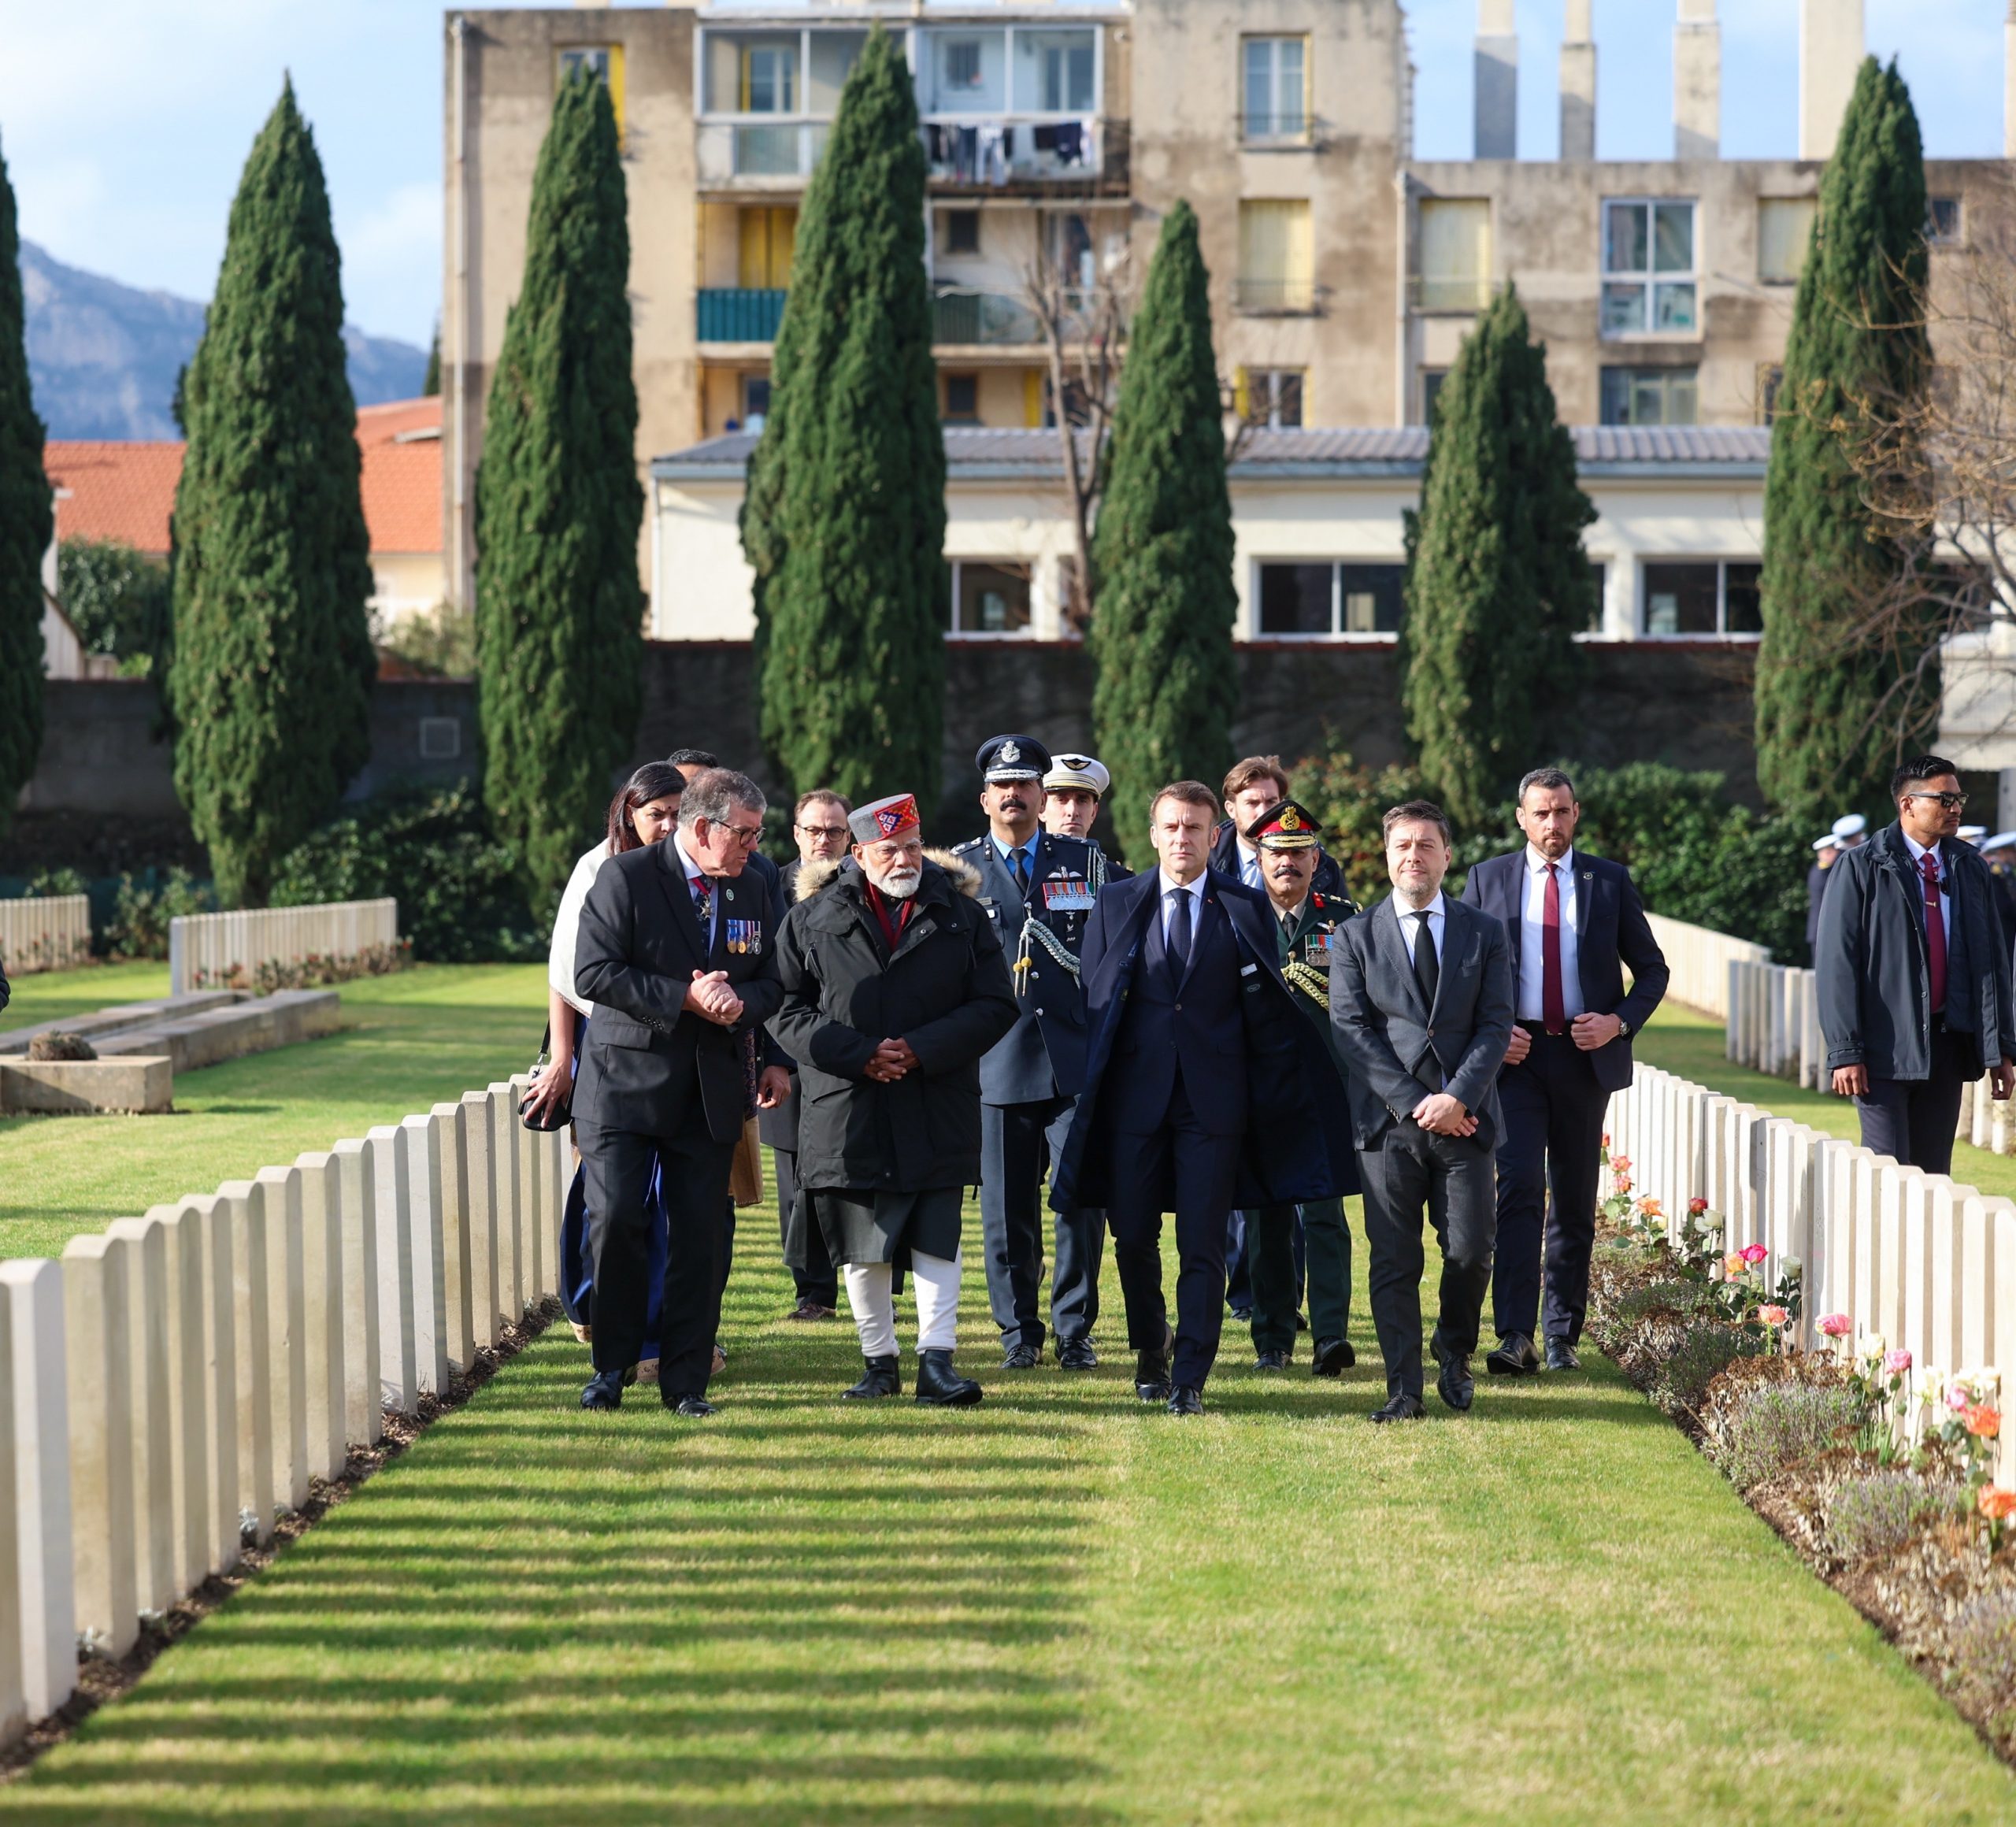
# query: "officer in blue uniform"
1039, 889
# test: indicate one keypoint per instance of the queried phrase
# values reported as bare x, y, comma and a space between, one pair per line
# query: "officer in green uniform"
1288, 839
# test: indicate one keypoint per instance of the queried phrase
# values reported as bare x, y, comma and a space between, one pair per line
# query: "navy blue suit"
1555, 1098
1201, 1089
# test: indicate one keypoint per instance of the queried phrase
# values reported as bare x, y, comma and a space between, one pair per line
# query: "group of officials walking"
1225, 1039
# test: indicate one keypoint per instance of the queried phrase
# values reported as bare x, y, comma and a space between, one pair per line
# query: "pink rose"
1836, 1326
1696, 1206
1620, 1164
1754, 1253
1772, 1316
1896, 1363
1958, 1397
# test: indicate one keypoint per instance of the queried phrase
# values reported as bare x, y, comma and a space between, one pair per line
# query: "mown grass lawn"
412, 1040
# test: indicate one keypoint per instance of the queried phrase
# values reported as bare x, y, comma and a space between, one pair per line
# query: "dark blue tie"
1178, 943
1020, 858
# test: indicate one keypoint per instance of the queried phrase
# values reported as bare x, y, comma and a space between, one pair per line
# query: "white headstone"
38, 1367
364, 1416
448, 1187
480, 1181
419, 1175
504, 1159
322, 1311
276, 1196
252, 1339
14, 1624
95, 1328
220, 1314
188, 1431
144, 1359
398, 1370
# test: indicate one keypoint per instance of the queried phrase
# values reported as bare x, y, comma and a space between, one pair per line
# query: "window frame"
1790, 279
946, 414
1272, 133
1336, 633
1722, 563
1273, 378
1648, 279
1934, 235
955, 568
564, 56
1666, 374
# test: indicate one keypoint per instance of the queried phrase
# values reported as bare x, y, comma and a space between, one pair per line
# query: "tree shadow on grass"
792, 1614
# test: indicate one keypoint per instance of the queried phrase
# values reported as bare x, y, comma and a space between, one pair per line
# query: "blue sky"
124, 122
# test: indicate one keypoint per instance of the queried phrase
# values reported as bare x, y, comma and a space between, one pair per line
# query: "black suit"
812, 1272
657, 1085
1554, 1100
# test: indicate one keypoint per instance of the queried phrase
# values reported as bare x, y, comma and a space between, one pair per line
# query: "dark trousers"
1180, 1168
1017, 1142
694, 1182
812, 1272
1451, 1176
1554, 1133
1912, 1119
1270, 1252
1074, 1272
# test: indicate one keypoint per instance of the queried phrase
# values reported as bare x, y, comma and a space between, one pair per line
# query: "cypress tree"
844, 517
25, 529
559, 611
430, 385
1497, 585
1162, 551
1837, 694
271, 678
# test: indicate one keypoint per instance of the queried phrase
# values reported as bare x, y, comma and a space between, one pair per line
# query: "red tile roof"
126, 492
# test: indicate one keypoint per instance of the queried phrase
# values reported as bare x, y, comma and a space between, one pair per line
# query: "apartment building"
1345, 273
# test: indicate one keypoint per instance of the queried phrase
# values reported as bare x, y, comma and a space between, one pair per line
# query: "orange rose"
1981, 1421
1996, 1503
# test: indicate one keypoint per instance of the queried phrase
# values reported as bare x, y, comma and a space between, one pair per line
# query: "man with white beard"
895, 984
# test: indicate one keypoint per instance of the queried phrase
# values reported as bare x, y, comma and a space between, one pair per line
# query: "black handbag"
561, 1114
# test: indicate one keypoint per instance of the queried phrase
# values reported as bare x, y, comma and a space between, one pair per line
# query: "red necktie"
1935, 932
1553, 1009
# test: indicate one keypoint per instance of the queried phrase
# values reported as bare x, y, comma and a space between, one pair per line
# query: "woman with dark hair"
643, 813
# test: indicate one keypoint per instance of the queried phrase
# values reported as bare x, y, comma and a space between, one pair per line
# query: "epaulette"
971, 843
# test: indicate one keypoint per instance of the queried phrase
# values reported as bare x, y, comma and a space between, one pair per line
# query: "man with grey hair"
1575, 925
678, 954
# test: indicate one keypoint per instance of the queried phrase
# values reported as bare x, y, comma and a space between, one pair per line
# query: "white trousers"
870, 1296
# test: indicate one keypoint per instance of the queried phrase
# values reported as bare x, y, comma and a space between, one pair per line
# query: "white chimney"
2009, 83
1497, 119
1831, 41
1578, 83
1697, 81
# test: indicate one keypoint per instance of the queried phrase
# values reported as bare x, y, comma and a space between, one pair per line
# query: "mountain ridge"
103, 356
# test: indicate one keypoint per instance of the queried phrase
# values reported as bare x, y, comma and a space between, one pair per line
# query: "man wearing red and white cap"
895, 984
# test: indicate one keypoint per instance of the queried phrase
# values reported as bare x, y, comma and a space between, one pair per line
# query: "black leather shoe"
1077, 1354
940, 1385
605, 1390
1184, 1400
1241, 1316
1152, 1376
1022, 1358
1455, 1385
1514, 1357
881, 1380
691, 1406
1561, 1355
1270, 1360
1400, 1408
1333, 1357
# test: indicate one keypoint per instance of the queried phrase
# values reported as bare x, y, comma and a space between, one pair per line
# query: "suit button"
1179, 1008
1039, 1011
1431, 1033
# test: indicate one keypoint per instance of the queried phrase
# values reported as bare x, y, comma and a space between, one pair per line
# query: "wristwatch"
1623, 1028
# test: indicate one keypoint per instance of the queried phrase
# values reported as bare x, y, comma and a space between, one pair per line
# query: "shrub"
140, 915
1984, 1639
1778, 1425
61, 1046
1658, 1298
1872, 1513
461, 900
1702, 1356
116, 598
49, 885
440, 643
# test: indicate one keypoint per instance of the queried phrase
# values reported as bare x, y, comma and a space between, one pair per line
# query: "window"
1599, 585
765, 237
969, 71
1305, 597
755, 401
1942, 220
1430, 388
962, 398
440, 739
962, 64
1275, 102
1277, 256
1784, 231
1648, 269
990, 597
769, 79
1055, 72
1455, 254
1269, 396
1705, 597
962, 231
1649, 396
602, 61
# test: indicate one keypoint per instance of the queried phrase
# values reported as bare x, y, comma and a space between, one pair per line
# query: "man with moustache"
1421, 1000
1203, 1088
894, 985
1575, 925
1039, 889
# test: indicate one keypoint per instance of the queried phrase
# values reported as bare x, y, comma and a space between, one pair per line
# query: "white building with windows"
1316, 519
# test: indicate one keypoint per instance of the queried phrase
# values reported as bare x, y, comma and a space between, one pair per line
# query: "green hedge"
1695, 854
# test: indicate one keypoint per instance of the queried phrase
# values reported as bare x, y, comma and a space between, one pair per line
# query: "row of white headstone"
1928, 1265
171, 1385
1773, 1021
1697, 960
209, 950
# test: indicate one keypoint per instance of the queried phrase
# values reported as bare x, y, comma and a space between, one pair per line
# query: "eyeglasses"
743, 834
1951, 802
829, 832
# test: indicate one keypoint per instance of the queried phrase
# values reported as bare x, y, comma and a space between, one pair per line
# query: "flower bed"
1895, 1509
311, 972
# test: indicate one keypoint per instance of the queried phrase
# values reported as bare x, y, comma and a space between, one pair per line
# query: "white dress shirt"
1945, 884
1249, 866
1410, 925
1167, 885
567, 928
1532, 1001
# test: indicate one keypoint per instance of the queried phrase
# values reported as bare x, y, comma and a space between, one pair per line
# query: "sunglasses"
1952, 802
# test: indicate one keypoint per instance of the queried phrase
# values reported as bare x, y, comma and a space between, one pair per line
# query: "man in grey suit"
1421, 999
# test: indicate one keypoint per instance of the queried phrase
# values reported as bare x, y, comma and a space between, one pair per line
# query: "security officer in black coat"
1288, 839
1038, 889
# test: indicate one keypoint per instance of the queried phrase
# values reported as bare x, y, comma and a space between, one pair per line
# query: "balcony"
998, 151
783, 152
1277, 298
733, 314
1448, 292
972, 320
